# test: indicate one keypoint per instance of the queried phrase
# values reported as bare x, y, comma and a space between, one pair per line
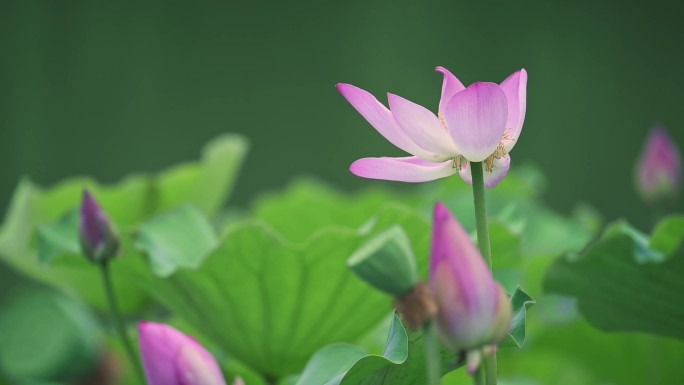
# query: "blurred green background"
104, 88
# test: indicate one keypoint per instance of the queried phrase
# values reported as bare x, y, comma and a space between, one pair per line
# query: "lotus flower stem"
118, 319
484, 245
481, 212
490, 369
479, 376
433, 358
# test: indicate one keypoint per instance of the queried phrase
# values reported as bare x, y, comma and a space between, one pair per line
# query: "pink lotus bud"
658, 170
173, 358
238, 381
99, 238
474, 311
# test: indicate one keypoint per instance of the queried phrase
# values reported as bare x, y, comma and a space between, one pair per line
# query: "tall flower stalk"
490, 364
118, 318
433, 364
100, 244
479, 376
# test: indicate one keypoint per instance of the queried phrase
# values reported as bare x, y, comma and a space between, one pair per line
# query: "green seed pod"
386, 262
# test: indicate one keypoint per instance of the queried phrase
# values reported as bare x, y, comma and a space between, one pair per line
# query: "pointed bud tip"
87, 195
98, 235
658, 129
89, 205
440, 209
443, 217
144, 325
659, 139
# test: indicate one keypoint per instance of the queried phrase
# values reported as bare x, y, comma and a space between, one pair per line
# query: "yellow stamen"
507, 135
499, 153
489, 163
458, 162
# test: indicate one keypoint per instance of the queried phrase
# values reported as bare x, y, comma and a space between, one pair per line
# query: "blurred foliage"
46, 336
402, 362
520, 302
180, 238
619, 289
51, 212
271, 302
176, 77
668, 235
265, 287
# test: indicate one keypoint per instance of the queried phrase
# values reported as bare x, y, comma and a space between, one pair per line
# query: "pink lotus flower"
474, 311
476, 124
98, 235
658, 172
173, 358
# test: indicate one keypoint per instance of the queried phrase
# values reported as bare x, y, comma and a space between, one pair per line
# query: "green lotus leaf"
180, 238
618, 289
46, 336
401, 363
48, 215
520, 302
668, 234
271, 303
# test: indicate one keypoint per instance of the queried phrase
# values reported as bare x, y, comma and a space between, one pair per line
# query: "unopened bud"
474, 311
173, 358
658, 171
99, 237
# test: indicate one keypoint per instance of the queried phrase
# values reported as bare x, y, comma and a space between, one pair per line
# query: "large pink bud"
173, 358
474, 311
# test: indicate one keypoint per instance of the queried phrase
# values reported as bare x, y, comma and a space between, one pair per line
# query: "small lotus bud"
386, 262
99, 237
173, 358
658, 171
238, 381
474, 311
